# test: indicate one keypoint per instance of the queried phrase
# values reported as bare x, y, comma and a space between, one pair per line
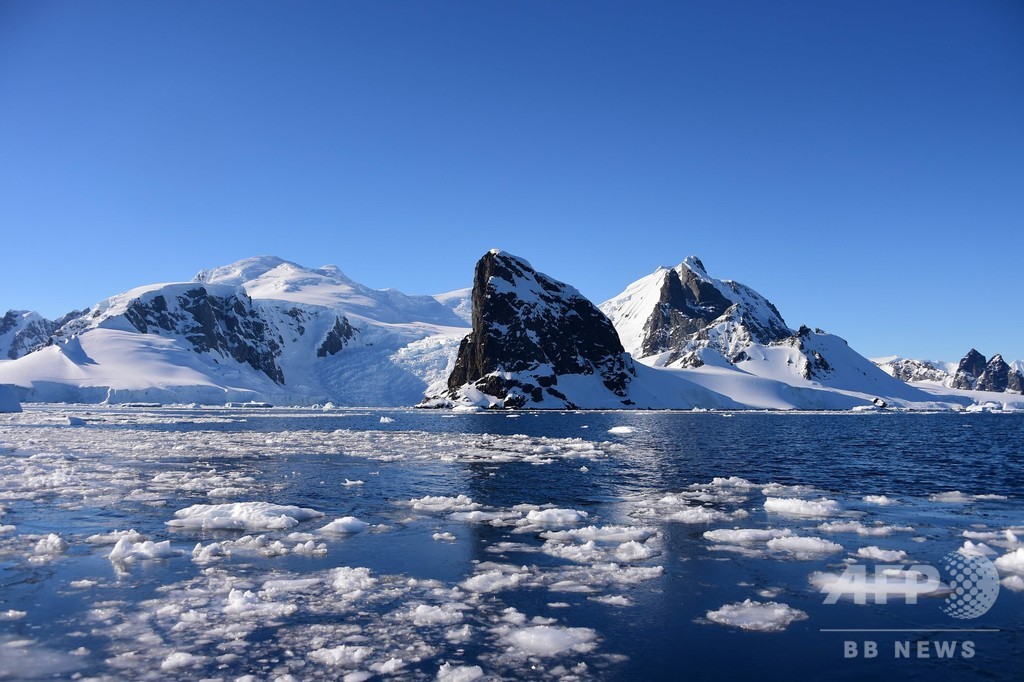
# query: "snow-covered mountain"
268, 329
670, 317
972, 373
261, 328
532, 335
727, 333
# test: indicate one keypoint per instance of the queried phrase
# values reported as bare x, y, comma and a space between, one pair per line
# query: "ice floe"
756, 616
245, 516
792, 506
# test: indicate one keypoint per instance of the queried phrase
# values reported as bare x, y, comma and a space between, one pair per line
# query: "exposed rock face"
341, 333
971, 367
227, 324
996, 376
906, 369
674, 314
22, 331
529, 331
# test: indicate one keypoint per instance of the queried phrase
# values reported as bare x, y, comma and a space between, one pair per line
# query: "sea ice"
248, 516
879, 554
621, 430
757, 616
440, 503
126, 551
803, 547
459, 673
791, 506
345, 525
556, 518
550, 640
1012, 562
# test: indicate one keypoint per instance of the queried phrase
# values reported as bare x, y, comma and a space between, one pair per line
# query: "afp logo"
971, 584
974, 584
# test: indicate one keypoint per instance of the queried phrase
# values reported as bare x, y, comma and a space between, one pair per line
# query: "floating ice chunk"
980, 535
387, 420
352, 583
113, 537
977, 548
1012, 562
879, 530
7, 529
126, 551
621, 430
879, 554
803, 547
492, 581
478, 516
446, 614
180, 659
11, 614
443, 536
757, 616
76, 421
556, 518
634, 551
880, 500
1013, 582
388, 667
462, 673
746, 536
245, 603
612, 600
349, 483
550, 640
792, 506
344, 655
345, 525
610, 534
731, 482
440, 503
248, 516
957, 497
698, 515
53, 545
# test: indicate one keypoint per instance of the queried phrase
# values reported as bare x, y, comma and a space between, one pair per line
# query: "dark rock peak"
529, 329
337, 338
229, 325
970, 368
995, 377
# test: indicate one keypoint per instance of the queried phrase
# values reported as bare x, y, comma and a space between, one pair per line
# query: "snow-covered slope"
725, 334
271, 330
262, 328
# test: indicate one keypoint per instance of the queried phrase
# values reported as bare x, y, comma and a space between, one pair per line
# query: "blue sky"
859, 163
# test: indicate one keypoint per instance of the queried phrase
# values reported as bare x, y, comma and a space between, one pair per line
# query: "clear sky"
859, 162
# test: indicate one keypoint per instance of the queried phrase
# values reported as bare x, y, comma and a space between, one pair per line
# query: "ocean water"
578, 549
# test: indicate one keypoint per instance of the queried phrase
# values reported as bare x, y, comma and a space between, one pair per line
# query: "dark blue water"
662, 635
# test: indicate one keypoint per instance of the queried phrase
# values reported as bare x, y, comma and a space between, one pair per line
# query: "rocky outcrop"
996, 376
976, 374
341, 333
908, 370
530, 334
675, 313
970, 368
22, 331
226, 324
